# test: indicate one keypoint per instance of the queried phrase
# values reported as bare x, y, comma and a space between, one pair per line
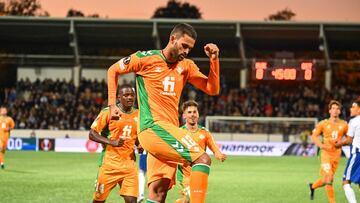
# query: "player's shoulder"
9, 118
343, 122
105, 109
188, 64
135, 111
355, 120
203, 128
324, 122
149, 54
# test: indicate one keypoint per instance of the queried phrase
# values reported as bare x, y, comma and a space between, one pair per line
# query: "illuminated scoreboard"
302, 71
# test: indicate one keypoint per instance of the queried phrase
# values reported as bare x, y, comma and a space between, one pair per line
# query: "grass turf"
70, 177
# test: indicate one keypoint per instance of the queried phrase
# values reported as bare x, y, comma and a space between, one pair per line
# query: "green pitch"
70, 177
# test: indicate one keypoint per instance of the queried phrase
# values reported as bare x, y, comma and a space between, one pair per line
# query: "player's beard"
175, 53
193, 121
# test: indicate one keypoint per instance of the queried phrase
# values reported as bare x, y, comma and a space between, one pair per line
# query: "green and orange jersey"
159, 84
331, 132
204, 139
6, 124
123, 156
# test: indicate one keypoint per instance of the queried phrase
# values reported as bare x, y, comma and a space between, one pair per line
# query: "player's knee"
328, 180
129, 199
158, 189
203, 159
345, 182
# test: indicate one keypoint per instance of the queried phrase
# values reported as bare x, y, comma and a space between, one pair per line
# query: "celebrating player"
117, 164
161, 76
201, 136
352, 171
332, 130
6, 124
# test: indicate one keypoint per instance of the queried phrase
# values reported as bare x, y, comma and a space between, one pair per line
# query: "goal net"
261, 129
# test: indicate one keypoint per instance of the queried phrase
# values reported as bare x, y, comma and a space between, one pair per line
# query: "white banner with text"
76, 145
265, 148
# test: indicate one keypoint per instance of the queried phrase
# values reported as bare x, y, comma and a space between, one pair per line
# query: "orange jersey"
159, 84
6, 124
331, 132
117, 157
204, 139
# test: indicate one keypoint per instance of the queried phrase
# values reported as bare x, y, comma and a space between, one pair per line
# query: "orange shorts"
168, 146
108, 178
329, 164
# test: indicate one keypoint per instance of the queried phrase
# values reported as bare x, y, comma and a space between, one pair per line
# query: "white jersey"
354, 132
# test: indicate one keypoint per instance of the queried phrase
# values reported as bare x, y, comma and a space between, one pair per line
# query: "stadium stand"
97, 43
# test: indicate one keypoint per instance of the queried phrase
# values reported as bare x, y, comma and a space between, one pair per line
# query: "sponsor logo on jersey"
169, 86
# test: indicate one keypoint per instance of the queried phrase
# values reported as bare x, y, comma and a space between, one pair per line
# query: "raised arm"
112, 83
211, 84
124, 65
210, 142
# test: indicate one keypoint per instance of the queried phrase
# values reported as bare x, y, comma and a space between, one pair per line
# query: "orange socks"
318, 183
199, 183
1, 157
330, 193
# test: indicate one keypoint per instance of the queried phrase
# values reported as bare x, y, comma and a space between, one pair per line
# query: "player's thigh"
129, 186
335, 164
169, 143
158, 169
325, 165
105, 182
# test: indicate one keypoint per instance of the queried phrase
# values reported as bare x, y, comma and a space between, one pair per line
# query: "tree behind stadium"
175, 9
285, 14
22, 8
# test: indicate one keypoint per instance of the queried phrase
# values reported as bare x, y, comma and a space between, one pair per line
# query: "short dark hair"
184, 28
188, 104
124, 86
332, 102
357, 102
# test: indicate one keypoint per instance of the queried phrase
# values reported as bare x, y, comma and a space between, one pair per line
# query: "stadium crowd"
58, 104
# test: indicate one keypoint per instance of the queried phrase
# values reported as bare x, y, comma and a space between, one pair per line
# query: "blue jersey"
142, 162
352, 171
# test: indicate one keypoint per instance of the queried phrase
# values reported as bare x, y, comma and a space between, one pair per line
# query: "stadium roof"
96, 42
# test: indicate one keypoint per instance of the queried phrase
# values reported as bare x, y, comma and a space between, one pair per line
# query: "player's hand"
140, 149
338, 144
117, 143
211, 50
221, 157
114, 112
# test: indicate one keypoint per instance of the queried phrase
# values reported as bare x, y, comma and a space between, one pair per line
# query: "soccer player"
332, 130
352, 170
6, 124
201, 136
161, 76
117, 164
